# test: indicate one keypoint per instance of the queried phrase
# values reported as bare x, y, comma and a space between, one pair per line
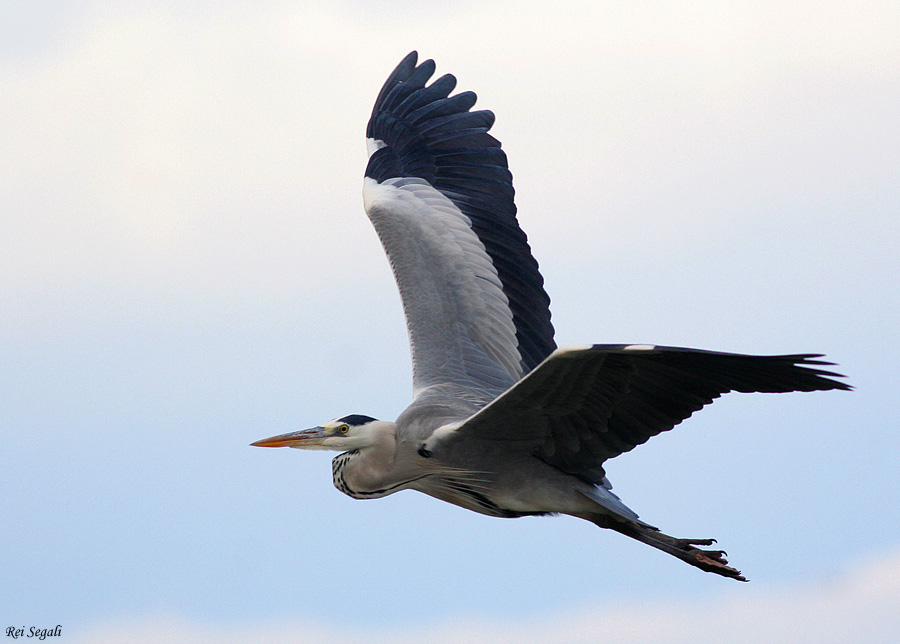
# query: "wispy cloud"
858, 608
151, 144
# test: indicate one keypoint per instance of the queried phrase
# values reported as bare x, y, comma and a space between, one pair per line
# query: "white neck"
371, 470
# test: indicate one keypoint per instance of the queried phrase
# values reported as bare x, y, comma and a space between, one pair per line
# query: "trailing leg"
685, 549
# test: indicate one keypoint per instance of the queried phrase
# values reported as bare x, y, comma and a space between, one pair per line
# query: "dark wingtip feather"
822, 376
401, 72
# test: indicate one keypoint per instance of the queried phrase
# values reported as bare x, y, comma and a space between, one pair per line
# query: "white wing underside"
460, 326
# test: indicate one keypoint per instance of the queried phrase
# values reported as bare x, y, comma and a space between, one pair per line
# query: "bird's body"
502, 422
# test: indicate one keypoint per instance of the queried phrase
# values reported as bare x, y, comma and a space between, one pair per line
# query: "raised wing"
583, 406
440, 196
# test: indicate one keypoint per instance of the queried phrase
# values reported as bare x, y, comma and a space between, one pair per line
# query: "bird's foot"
708, 560
686, 549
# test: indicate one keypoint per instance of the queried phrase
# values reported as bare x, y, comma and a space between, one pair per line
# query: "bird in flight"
503, 422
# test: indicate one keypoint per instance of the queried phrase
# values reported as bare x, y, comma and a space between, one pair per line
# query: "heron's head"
341, 434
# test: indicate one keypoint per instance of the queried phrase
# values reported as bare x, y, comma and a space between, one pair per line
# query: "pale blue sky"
185, 267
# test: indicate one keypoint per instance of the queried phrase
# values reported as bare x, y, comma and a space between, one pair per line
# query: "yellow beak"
304, 438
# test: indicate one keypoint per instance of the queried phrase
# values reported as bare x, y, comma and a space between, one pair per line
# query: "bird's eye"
344, 429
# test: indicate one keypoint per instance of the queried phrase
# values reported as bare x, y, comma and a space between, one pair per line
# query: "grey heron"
503, 422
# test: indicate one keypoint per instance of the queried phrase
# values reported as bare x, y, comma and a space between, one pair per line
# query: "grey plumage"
502, 422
